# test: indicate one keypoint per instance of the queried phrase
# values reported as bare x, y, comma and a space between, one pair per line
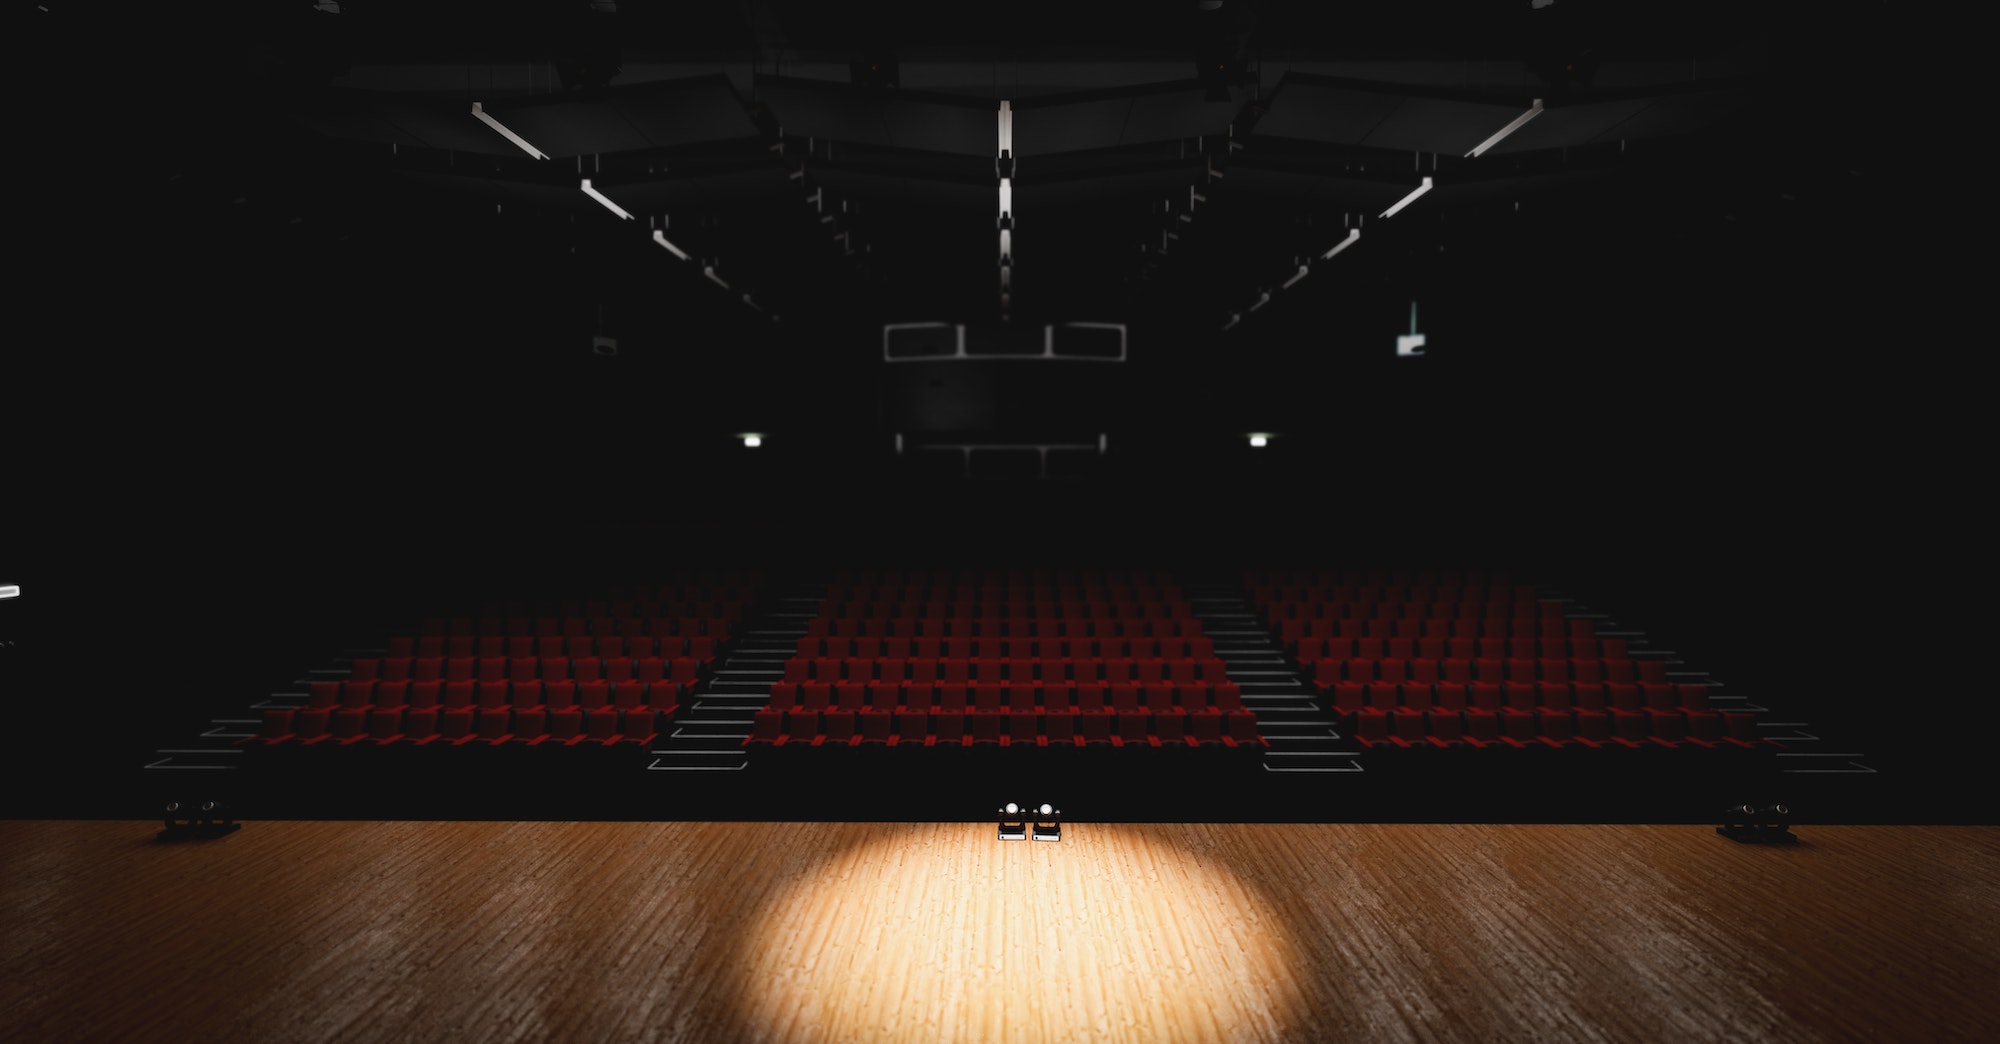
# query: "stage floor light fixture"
1013, 822
1048, 822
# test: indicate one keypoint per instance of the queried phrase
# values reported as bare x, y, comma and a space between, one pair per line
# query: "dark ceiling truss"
653, 151
1116, 183
1372, 153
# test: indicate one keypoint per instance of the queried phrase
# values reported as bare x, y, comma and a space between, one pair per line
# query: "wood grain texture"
323, 931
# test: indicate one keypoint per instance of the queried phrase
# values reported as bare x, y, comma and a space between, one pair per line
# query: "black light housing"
1749, 823
1013, 822
1048, 822
196, 820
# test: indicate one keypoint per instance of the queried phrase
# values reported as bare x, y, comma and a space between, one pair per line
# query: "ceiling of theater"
790, 176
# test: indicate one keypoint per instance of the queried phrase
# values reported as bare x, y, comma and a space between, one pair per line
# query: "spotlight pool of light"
751, 440
1259, 440
928, 932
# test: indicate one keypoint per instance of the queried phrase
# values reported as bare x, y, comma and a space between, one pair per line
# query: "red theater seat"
912, 726
1243, 728
456, 724
493, 724
420, 724
601, 724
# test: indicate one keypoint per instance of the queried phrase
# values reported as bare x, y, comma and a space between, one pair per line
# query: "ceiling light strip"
602, 198
1003, 167
1353, 234
1501, 134
480, 112
661, 238
1415, 194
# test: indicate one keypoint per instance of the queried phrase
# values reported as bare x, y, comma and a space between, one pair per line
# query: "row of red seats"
701, 647
1000, 627
1281, 611
1051, 696
1008, 577
1556, 728
737, 590
663, 626
1326, 673
1309, 649
457, 726
660, 695
568, 623
1025, 599
1199, 648
798, 669
1267, 593
683, 669
1290, 631
1395, 579
953, 728
966, 609
1351, 696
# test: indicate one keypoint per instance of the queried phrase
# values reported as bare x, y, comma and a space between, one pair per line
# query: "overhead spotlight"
1259, 440
10, 590
1048, 822
1013, 823
751, 439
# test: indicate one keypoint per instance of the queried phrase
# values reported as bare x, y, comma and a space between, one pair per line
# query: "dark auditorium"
1129, 521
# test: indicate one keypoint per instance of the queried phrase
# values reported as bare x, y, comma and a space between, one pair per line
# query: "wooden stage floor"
354, 931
